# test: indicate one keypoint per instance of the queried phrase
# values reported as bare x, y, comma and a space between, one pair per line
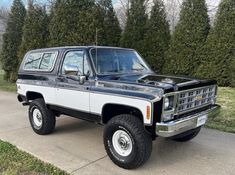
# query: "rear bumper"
169, 129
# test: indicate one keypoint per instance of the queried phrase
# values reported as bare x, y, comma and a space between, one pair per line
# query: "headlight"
168, 108
166, 103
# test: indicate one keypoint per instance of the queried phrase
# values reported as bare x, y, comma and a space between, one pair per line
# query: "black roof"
74, 47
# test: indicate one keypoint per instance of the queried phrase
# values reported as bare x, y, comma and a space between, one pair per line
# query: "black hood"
168, 83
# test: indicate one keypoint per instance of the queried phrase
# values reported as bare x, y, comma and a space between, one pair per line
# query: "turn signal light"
148, 112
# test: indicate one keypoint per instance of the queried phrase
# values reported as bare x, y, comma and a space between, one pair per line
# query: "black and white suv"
116, 88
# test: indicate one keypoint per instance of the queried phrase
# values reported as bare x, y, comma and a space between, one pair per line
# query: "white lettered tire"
126, 142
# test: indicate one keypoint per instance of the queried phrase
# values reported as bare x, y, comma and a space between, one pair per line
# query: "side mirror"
71, 70
82, 79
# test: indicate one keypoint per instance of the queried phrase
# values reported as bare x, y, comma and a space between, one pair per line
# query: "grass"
223, 122
226, 120
6, 86
14, 161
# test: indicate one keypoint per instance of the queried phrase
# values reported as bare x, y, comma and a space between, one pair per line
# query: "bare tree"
3, 23
173, 11
121, 8
3, 16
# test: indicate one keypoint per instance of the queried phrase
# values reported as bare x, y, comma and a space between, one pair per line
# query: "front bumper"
172, 128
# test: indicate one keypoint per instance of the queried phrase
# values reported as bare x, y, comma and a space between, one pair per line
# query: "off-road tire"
186, 136
48, 118
141, 140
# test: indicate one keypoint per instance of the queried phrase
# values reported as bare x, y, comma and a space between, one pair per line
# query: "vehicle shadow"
71, 125
165, 152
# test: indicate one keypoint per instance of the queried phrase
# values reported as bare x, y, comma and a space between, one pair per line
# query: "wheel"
126, 142
186, 136
42, 119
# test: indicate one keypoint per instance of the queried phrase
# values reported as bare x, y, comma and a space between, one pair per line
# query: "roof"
74, 47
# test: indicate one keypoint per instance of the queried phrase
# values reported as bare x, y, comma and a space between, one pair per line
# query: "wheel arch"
31, 95
110, 110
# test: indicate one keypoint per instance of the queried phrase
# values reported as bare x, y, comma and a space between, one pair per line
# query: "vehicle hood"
165, 82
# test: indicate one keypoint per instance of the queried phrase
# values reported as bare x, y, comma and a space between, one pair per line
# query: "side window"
73, 63
48, 60
32, 61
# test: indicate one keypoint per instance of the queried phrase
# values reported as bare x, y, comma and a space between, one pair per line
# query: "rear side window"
32, 61
47, 62
40, 61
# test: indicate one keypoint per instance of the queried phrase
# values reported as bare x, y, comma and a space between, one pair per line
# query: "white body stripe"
78, 100
48, 93
97, 101
84, 101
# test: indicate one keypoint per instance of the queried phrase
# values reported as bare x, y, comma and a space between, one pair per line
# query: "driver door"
70, 92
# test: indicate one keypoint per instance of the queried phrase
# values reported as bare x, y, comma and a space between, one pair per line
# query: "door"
71, 92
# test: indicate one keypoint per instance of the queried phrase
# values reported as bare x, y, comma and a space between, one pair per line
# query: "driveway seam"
84, 166
13, 130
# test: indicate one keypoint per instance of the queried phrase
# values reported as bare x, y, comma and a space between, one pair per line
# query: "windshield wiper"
137, 69
112, 71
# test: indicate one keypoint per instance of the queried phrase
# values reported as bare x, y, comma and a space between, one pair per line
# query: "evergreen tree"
188, 38
35, 31
110, 23
74, 22
12, 40
133, 34
157, 37
64, 22
218, 54
90, 24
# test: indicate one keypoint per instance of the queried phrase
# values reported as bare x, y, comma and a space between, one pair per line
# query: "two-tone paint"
137, 90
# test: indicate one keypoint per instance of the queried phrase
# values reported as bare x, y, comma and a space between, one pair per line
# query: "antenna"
96, 44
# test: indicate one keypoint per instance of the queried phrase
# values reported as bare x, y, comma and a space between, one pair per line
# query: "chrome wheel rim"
122, 143
37, 117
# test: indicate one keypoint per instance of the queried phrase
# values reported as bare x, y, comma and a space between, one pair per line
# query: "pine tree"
35, 31
133, 34
73, 23
90, 23
12, 40
110, 23
188, 38
63, 24
218, 54
157, 37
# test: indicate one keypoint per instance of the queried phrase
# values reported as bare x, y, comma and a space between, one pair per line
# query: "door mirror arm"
82, 79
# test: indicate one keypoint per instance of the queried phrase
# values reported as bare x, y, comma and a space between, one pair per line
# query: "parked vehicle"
116, 88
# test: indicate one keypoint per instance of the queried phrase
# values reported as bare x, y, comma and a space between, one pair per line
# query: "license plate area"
201, 120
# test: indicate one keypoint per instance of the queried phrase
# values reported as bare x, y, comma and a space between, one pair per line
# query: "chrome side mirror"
71, 70
82, 79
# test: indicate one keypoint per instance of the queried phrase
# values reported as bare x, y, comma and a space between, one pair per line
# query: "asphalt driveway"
76, 146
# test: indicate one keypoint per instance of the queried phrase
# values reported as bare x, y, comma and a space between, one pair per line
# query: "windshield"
109, 60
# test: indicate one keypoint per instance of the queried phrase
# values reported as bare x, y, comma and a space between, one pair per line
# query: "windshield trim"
148, 69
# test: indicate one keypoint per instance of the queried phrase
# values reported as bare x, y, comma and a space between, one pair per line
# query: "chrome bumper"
168, 129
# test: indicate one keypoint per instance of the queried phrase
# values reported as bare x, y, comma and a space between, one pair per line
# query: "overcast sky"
7, 3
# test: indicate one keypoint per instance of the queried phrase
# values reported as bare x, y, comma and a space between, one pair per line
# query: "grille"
195, 98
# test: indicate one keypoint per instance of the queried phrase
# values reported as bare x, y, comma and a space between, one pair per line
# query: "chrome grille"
195, 98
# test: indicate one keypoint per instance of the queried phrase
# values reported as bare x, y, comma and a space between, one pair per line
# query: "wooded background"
179, 37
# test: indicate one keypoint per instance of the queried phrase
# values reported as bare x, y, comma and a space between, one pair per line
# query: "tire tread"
144, 140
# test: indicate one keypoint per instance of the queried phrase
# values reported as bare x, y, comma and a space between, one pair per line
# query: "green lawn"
14, 161
226, 98
6, 86
226, 120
